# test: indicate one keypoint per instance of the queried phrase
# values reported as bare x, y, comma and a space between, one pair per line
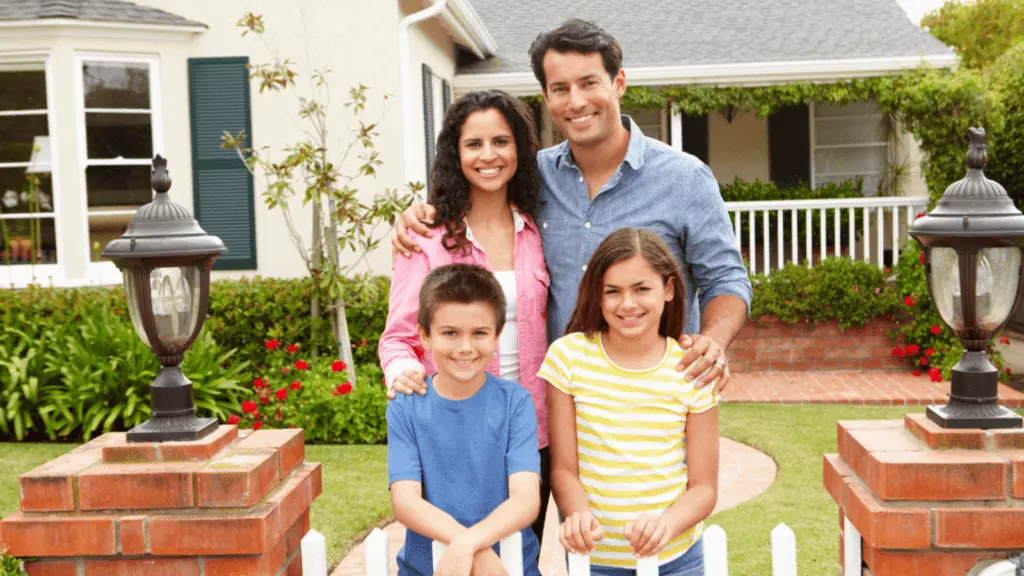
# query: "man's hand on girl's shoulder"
704, 362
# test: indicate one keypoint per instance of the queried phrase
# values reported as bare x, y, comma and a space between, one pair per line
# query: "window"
848, 141
789, 144
436, 99
27, 227
119, 133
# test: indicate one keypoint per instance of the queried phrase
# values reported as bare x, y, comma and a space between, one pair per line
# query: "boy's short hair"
575, 35
461, 284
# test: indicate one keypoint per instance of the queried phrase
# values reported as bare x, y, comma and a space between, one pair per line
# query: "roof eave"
99, 24
738, 74
468, 29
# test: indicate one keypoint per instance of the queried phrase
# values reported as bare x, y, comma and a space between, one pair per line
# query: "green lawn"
356, 498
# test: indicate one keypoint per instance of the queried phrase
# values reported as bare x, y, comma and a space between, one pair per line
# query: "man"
608, 175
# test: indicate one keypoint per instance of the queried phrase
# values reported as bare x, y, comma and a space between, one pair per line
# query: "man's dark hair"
576, 35
462, 284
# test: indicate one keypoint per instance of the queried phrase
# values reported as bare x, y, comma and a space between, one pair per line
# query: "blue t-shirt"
462, 452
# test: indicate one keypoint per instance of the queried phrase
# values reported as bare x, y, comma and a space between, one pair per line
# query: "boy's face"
462, 339
583, 99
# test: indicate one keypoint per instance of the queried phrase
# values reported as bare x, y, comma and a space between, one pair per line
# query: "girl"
485, 186
634, 446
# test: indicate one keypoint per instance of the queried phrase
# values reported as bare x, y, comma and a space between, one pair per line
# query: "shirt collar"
517, 222
634, 154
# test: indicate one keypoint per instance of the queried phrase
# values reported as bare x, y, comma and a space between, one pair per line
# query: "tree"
981, 30
315, 172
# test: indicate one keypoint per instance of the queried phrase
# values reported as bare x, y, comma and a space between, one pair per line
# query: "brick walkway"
743, 474
878, 388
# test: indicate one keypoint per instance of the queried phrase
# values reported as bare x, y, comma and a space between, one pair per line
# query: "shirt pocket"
555, 241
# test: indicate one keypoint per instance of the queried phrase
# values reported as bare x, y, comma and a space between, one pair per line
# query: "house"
90, 90
737, 43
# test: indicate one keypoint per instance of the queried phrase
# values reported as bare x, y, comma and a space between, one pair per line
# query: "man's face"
583, 99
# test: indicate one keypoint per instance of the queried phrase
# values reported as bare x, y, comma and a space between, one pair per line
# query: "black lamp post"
972, 246
166, 257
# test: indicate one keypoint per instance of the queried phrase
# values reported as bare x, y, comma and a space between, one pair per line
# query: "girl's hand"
487, 563
580, 532
648, 534
457, 561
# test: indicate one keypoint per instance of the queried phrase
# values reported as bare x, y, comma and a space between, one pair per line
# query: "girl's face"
487, 149
634, 298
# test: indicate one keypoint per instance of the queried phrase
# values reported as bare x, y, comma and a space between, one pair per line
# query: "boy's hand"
648, 534
407, 382
412, 218
487, 563
580, 532
457, 560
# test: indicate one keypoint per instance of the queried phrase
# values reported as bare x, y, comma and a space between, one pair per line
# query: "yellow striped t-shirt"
630, 437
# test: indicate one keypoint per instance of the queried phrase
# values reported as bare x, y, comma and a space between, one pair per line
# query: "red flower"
923, 360
249, 407
920, 215
234, 419
922, 258
1005, 340
929, 352
936, 329
281, 394
344, 389
335, 393
338, 366
259, 383
935, 374
909, 301
301, 365
257, 425
1009, 372
293, 348
897, 351
912, 349
363, 342
295, 385
265, 399
272, 344
917, 372
284, 370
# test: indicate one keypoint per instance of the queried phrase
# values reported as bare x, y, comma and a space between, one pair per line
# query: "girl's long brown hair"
618, 247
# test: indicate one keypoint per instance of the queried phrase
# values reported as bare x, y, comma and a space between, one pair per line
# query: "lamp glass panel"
945, 285
174, 293
1003, 264
133, 293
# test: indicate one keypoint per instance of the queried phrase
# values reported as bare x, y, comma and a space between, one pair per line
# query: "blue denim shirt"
656, 187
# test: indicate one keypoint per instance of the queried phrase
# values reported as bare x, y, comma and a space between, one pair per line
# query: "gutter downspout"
404, 59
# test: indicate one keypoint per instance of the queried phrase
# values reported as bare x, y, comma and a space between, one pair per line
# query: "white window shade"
849, 141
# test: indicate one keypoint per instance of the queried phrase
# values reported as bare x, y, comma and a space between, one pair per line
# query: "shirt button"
584, 267
587, 225
544, 225
581, 178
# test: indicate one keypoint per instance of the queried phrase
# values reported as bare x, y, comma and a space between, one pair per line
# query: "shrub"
11, 566
929, 346
294, 392
1007, 139
846, 290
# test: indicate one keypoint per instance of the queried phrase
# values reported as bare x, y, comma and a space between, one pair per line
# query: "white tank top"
508, 343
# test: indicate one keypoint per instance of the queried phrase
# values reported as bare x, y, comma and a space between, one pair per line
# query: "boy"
462, 460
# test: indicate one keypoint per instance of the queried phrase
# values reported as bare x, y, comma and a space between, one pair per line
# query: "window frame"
817, 176
19, 275
105, 272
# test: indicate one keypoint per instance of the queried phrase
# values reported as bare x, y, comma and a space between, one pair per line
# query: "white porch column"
676, 130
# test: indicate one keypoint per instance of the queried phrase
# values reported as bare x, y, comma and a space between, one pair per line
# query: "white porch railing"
884, 223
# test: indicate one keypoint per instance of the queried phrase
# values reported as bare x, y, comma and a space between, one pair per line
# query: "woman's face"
487, 149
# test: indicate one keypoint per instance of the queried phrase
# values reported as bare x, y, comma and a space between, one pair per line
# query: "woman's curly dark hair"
449, 193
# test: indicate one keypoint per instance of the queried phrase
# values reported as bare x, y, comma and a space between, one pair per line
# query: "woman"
485, 186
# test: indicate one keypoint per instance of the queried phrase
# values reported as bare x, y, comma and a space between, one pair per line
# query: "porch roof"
696, 34
120, 11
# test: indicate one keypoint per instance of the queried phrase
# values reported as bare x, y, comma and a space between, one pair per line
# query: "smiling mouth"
632, 319
488, 171
581, 119
464, 363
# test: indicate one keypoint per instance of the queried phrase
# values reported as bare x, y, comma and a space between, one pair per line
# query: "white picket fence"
716, 555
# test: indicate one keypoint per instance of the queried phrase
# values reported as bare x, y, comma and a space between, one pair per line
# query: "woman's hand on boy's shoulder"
408, 382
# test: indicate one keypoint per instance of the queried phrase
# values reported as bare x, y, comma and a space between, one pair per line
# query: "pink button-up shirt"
400, 348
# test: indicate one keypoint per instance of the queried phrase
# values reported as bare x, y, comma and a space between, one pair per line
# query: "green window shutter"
222, 186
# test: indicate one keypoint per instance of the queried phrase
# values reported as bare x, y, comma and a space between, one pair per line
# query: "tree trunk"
317, 258
341, 334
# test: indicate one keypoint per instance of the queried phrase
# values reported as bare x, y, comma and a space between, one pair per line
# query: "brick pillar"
233, 503
927, 500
